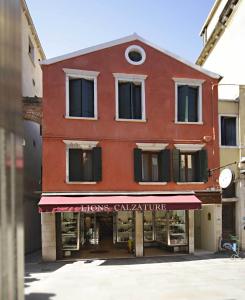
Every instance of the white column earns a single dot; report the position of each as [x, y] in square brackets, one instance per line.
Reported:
[191, 231]
[218, 225]
[139, 234]
[48, 236]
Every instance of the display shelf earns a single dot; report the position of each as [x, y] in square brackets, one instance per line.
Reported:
[125, 227]
[70, 231]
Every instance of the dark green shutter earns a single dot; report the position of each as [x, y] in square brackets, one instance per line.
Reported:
[97, 163]
[136, 101]
[164, 165]
[87, 98]
[202, 166]
[137, 165]
[75, 165]
[176, 165]
[75, 98]
[182, 95]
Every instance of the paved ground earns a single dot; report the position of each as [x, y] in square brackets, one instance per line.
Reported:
[203, 277]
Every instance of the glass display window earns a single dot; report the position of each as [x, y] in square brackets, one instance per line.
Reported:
[148, 226]
[70, 230]
[161, 226]
[91, 234]
[177, 228]
[125, 226]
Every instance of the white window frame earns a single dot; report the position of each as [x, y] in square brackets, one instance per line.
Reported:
[82, 74]
[137, 49]
[237, 134]
[84, 145]
[189, 148]
[130, 78]
[191, 82]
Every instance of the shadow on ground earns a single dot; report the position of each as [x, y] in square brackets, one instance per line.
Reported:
[39, 296]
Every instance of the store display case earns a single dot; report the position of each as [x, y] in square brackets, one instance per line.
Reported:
[177, 228]
[161, 225]
[148, 226]
[70, 231]
[125, 226]
[91, 229]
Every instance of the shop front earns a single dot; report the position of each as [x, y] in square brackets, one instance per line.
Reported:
[119, 226]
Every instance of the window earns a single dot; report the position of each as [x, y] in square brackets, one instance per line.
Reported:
[83, 162]
[151, 166]
[228, 126]
[130, 97]
[188, 100]
[135, 55]
[190, 166]
[81, 94]
[31, 50]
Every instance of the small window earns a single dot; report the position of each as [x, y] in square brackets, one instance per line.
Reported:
[135, 55]
[228, 131]
[81, 98]
[84, 165]
[130, 100]
[150, 166]
[188, 103]
[187, 167]
[31, 50]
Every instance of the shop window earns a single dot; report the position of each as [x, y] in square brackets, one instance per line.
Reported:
[190, 167]
[125, 226]
[130, 100]
[81, 98]
[151, 166]
[84, 165]
[228, 131]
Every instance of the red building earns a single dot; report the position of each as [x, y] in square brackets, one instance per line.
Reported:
[129, 134]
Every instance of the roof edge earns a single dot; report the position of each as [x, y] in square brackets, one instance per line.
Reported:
[126, 39]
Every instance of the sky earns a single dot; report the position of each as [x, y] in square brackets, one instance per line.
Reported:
[64, 26]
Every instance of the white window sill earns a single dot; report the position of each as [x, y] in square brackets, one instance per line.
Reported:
[189, 123]
[131, 120]
[191, 182]
[152, 183]
[80, 118]
[81, 182]
[229, 147]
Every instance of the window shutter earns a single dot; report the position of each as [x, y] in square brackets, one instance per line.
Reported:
[75, 165]
[192, 104]
[136, 101]
[87, 98]
[137, 165]
[202, 166]
[124, 99]
[176, 165]
[164, 165]
[182, 96]
[97, 163]
[75, 98]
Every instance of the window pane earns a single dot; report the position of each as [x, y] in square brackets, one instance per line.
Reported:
[182, 102]
[182, 167]
[124, 98]
[154, 161]
[190, 170]
[87, 98]
[228, 131]
[75, 98]
[136, 101]
[145, 167]
[75, 165]
[192, 104]
[87, 166]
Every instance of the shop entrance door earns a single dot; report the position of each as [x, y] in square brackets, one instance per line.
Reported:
[228, 219]
[105, 229]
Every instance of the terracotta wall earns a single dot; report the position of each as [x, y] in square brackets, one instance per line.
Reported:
[118, 139]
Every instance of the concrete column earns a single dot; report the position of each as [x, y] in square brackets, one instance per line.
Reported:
[48, 236]
[191, 231]
[139, 234]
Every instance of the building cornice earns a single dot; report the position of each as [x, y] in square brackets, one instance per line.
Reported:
[219, 29]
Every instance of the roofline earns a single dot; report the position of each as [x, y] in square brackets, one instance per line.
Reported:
[33, 29]
[210, 15]
[126, 39]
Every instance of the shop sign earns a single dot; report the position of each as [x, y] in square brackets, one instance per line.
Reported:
[121, 207]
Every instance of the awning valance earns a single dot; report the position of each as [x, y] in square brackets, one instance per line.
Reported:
[91, 204]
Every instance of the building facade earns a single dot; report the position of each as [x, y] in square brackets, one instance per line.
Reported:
[223, 52]
[129, 133]
[31, 73]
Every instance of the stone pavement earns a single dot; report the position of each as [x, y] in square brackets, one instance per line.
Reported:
[202, 277]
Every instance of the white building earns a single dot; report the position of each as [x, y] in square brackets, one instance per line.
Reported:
[223, 52]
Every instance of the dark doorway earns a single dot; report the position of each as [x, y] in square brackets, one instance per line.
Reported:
[105, 223]
[228, 219]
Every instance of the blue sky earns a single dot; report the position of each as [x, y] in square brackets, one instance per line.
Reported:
[64, 26]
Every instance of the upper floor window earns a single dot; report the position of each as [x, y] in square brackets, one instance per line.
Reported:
[228, 130]
[151, 163]
[31, 51]
[130, 97]
[81, 94]
[188, 100]
[135, 55]
[190, 163]
[83, 162]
